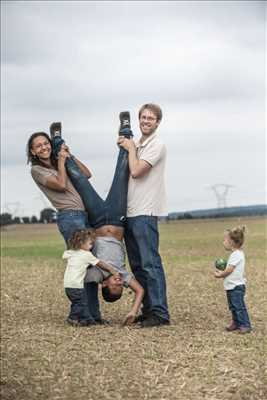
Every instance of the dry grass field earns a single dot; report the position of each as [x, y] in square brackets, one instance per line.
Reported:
[192, 359]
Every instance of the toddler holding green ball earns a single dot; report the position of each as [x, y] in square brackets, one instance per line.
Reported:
[234, 280]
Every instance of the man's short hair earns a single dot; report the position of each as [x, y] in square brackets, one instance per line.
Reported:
[108, 296]
[153, 108]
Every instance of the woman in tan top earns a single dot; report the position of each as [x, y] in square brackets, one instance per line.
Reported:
[107, 217]
[50, 175]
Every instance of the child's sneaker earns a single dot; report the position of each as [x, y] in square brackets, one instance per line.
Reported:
[232, 327]
[125, 126]
[72, 322]
[243, 330]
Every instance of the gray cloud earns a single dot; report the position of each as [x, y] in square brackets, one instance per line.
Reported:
[83, 62]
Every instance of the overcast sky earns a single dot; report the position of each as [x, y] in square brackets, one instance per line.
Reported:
[82, 62]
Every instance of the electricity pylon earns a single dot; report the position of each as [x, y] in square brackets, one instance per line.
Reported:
[221, 190]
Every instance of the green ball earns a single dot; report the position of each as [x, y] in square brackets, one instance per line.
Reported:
[220, 264]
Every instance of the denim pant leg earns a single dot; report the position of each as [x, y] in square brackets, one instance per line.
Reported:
[69, 221]
[116, 201]
[145, 231]
[135, 262]
[94, 205]
[78, 309]
[239, 306]
[57, 142]
[230, 305]
[91, 289]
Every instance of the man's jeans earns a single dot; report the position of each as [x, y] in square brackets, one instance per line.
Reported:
[111, 211]
[142, 242]
[91, 289]
[79, 309]
[69, 221]
[237, 306]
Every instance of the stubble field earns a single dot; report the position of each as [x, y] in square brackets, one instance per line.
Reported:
[192, 359]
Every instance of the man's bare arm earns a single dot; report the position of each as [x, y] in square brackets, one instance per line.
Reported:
[139, 294]
[138, 168]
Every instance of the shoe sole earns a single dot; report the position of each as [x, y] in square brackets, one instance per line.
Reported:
[55, 129]
[155, 325]
[243, 332]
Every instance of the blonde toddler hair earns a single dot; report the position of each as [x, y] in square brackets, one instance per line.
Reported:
[237, 235]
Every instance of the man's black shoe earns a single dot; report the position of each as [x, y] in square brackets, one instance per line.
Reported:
[102, 321]
[140, 318]
[154, 320]
[55, 129]
[125, 120]
[125, 124]
[57, 141]
[85, 322]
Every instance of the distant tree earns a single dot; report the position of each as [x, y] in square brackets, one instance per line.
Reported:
[47, 215]
[187, 215]
[34, 220]
[5, 219]
[16, 220]
[26, 220]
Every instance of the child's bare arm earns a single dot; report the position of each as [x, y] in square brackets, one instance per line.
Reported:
[139, 294]
[223, 274]
[107, 267]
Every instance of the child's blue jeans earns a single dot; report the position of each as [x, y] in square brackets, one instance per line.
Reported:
[79, 308]
[237, 306]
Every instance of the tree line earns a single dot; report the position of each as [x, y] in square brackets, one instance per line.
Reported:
[47, 216]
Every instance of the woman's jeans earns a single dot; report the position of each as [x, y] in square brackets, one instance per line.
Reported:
[69, 221]
[237, 306]
[142, 243]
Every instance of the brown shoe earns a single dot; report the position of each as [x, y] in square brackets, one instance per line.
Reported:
[244, 329]
[231, 327]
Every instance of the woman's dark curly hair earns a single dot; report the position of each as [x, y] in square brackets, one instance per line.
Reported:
[33, 160]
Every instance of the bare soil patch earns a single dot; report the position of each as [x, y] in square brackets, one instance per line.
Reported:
[192, 359]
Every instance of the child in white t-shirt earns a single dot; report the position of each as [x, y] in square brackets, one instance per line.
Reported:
[234, 280]
[79, 257]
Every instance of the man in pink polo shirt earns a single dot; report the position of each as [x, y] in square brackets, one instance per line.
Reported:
[146, 202]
